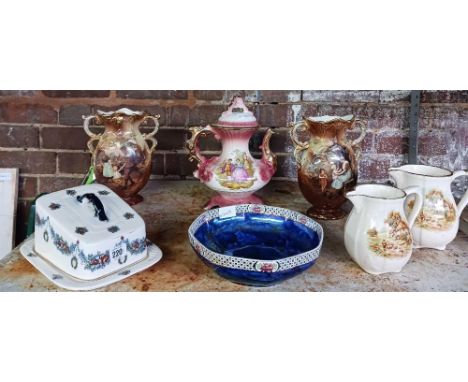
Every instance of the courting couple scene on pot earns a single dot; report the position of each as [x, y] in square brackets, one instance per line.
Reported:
[227, 190]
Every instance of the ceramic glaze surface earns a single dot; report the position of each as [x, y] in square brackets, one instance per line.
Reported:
[73, 237]
[326, 162]
[122, 158]
[377, 232]
[235, 174]
[256, 245]
[437, 223]
[257, 236]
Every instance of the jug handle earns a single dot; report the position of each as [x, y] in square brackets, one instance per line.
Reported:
[417, 204]
[149, 136]
[298, 145]
[267, 155]
[192, 143]
[363, 128]
[94, 137]
[464, 200]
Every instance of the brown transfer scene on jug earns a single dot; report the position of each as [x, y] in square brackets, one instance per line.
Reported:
[234, 190]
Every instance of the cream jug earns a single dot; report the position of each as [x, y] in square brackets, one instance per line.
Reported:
[437, 224]
[378, 232]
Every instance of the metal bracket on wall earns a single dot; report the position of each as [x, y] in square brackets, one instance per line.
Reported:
[414, 126]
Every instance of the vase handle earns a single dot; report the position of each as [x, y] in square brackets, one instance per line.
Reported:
[417, 203]
[299, 146]
[150, 136]
[94, 137]
[464, 200]
[363, 128]
[267, 155]
[192, 143]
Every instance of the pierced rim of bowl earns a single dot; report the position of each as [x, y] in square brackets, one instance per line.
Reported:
[247, 264]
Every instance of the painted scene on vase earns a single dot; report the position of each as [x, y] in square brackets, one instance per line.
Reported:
[330, 169]
[236, 172]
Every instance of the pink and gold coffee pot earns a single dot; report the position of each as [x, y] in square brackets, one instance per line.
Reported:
[235, 174]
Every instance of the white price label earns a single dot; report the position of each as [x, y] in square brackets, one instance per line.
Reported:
[5, 176]
[227, 212]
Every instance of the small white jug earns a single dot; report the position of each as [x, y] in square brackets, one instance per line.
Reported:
[438, 222]
[377, 232]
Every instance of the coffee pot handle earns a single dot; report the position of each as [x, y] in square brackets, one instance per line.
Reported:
[299, 146]
[150, 136]
[267, 155]
[363, 128]
[417, 203]
[192, 143]
[94, 137]
[464, 200]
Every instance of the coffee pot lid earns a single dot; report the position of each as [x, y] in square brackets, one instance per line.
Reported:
[237, 115]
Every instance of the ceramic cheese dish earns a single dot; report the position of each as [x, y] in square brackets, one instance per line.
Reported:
[88, 231]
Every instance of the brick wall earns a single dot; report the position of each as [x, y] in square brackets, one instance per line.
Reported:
[41, 131]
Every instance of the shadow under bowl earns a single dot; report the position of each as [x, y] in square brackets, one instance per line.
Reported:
[256, 245]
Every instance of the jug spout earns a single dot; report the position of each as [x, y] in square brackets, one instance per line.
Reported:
[355, 198]
[397, 174]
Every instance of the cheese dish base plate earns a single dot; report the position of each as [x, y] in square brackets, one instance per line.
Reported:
[67, 281]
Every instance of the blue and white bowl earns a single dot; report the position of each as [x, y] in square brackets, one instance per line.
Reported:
[256, 244]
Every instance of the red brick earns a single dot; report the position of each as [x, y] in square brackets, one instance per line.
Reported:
[279, 96]
[281, 165]
[367, 144]
[70, 138]
[178, 115]
[154, 109]
[76, 93]
[209, 95]
[440, 96]
[153, 94]
[208, 143]
[179, 164]
[247, 95]
[17, 93]
[308, 110]
[340, 95]
[172, 164]
[27, 187]
[19, 136]
[339, 110]
[391, 144]
[22, 213]
[432, 145]
[31, 162]
[279, 141]
[73, 114]
[205, 114]
[286, 167]
[373, 169]
[395, 95]
[171, 139]
[157, 164]
[57, 183]
[27, 113]
[74, 163]
[273, 115]
[463, 96]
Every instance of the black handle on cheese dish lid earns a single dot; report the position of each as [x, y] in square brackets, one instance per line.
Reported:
[98, 206]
